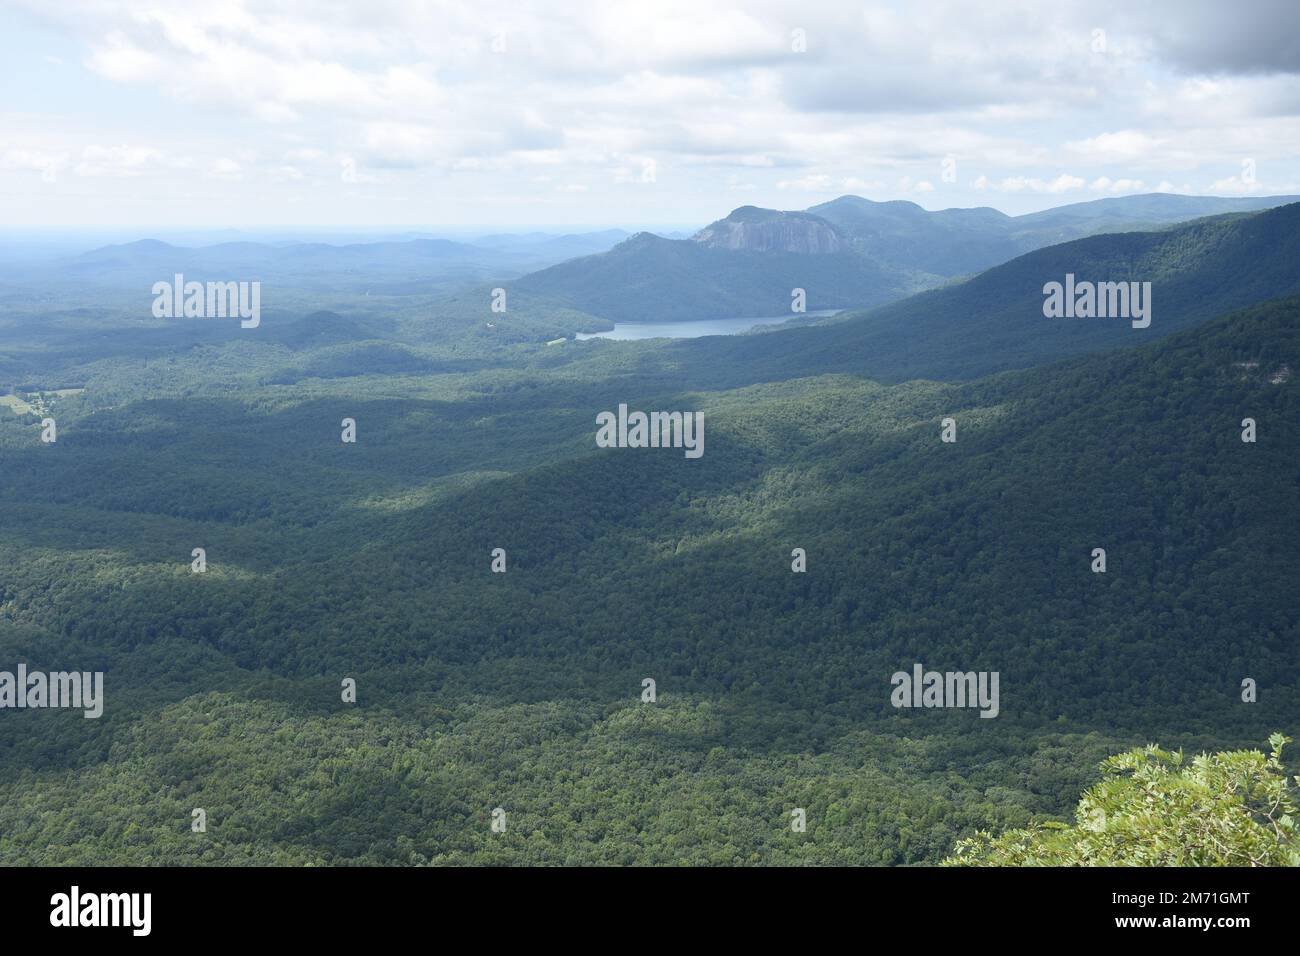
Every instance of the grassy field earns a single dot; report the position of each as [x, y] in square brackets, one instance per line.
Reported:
[16, 404]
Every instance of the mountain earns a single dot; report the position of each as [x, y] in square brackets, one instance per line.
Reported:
[948, 243]
[152, 254]
[1146, 209]
[954, 242]
[393, 265]
[847, 253]
[554, 248]
[359, 265]
[995, 321]
[750, 229]
[331, 561]
[744, 265]
[523, 690]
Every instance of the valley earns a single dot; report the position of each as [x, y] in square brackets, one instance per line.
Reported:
[375, 562]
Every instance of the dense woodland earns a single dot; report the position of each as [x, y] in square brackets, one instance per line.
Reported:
[478, 690]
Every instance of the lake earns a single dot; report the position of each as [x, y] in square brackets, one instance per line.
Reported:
[627, 331]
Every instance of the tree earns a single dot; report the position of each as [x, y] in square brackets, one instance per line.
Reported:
[1226, 809]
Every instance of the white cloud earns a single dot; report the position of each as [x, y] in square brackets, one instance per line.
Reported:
[123, 161]
[46, 165]
[638, 170]
[227, 169]
[1104, 184]
[1237, 186]
[1017, 184]
[1119, 147]
[906, 184]
[813, 183]
[410, 99]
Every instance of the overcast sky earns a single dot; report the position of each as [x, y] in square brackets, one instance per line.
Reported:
[210, 114]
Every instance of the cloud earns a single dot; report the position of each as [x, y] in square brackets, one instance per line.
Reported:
[1118, 147]
[638, 170]
[1207, 36]
[1018, 184]
[857, 185]
[1237, 186]
[227, 169]
[47, 165]
[451, 99]
[1104, 184]
[123, 161]
[908, 185]
[813, 183]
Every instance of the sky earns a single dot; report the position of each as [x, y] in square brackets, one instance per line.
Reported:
[225, 114]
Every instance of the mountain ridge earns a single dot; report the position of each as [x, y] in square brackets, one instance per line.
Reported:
[994, 321]
[888, 250]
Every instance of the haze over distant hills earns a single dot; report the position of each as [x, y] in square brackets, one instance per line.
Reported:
[331, 558]
[850, 252]
[392, 264]
[994, 321]
[452, 433]
[953, 242]
[650, 279]
[481, 689]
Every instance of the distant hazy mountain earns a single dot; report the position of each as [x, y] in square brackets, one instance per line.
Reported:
[745, 265]
[901, 234]
[954, 242]
[1149, 208]
[850, 252]
[995, 320]
[560, 247]
[139, 264]
[395, 265]
[752, 229]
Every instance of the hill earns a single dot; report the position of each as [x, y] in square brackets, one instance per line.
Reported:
[847, 253]
[956, 242]
[522, 690]
[995, 320]
[748, 270]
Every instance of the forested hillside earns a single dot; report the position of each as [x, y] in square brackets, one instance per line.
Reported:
[648, 278]
[955, 242]
[995, 320]
[522, 690]
[624, 434]
[1157, 808]
[852, 253]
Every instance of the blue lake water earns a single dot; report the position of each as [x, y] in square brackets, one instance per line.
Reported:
[627, 331]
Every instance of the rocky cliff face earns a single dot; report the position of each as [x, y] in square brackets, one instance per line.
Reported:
[765, 230]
